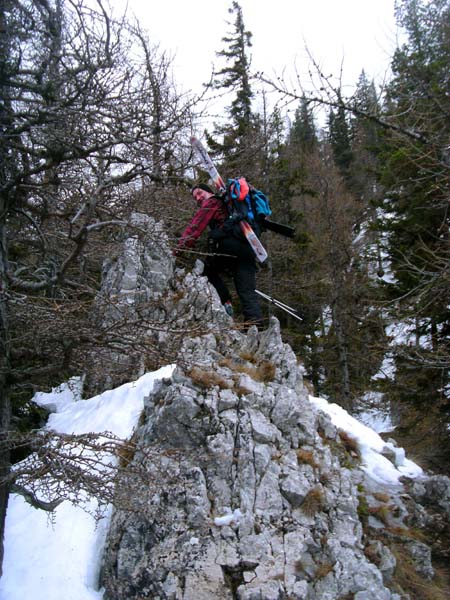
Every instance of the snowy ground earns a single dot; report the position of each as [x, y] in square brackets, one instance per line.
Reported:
[51, 559]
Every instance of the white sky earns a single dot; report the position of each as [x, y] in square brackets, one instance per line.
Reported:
[361, 33]
[60, 558]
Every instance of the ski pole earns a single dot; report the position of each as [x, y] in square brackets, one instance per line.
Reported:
[279, 304]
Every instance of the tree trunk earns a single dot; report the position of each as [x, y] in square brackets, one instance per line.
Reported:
[5, 405]
[342, 357]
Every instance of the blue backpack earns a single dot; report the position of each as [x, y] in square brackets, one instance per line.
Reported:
[243, 201]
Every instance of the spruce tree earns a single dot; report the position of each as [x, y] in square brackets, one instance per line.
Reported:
[339, 136]
[416, 175]
[366, 140]
[303, 132]
[233, 140]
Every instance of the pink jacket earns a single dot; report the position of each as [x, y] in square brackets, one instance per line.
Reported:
[210, 209]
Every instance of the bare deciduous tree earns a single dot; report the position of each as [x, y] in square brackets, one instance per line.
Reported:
[82, 468]
[88, 113]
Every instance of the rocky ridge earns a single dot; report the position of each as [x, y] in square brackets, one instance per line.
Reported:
[253, 493]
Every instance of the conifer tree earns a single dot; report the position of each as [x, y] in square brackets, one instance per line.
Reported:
[398, 156]
[301, 144]
[339, 136]
[303, 132]
[416, 175]
[365, 143]
[237, 134]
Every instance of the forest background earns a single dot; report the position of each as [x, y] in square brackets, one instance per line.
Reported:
[93, 128]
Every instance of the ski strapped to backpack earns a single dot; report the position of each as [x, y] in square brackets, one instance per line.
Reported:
[240, 218]
[248, 207]
[208, 165]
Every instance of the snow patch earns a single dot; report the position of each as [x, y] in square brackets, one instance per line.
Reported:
[61, 396]
[230, 517]
[371, 446]
[58, 556]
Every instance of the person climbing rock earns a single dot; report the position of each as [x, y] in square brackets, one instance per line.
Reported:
[227, 253]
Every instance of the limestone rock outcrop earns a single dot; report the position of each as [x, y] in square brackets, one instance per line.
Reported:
[251, 492]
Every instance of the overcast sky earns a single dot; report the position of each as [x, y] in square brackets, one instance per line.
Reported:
[361, 33]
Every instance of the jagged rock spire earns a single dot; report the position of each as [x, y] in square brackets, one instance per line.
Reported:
[251, 493]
